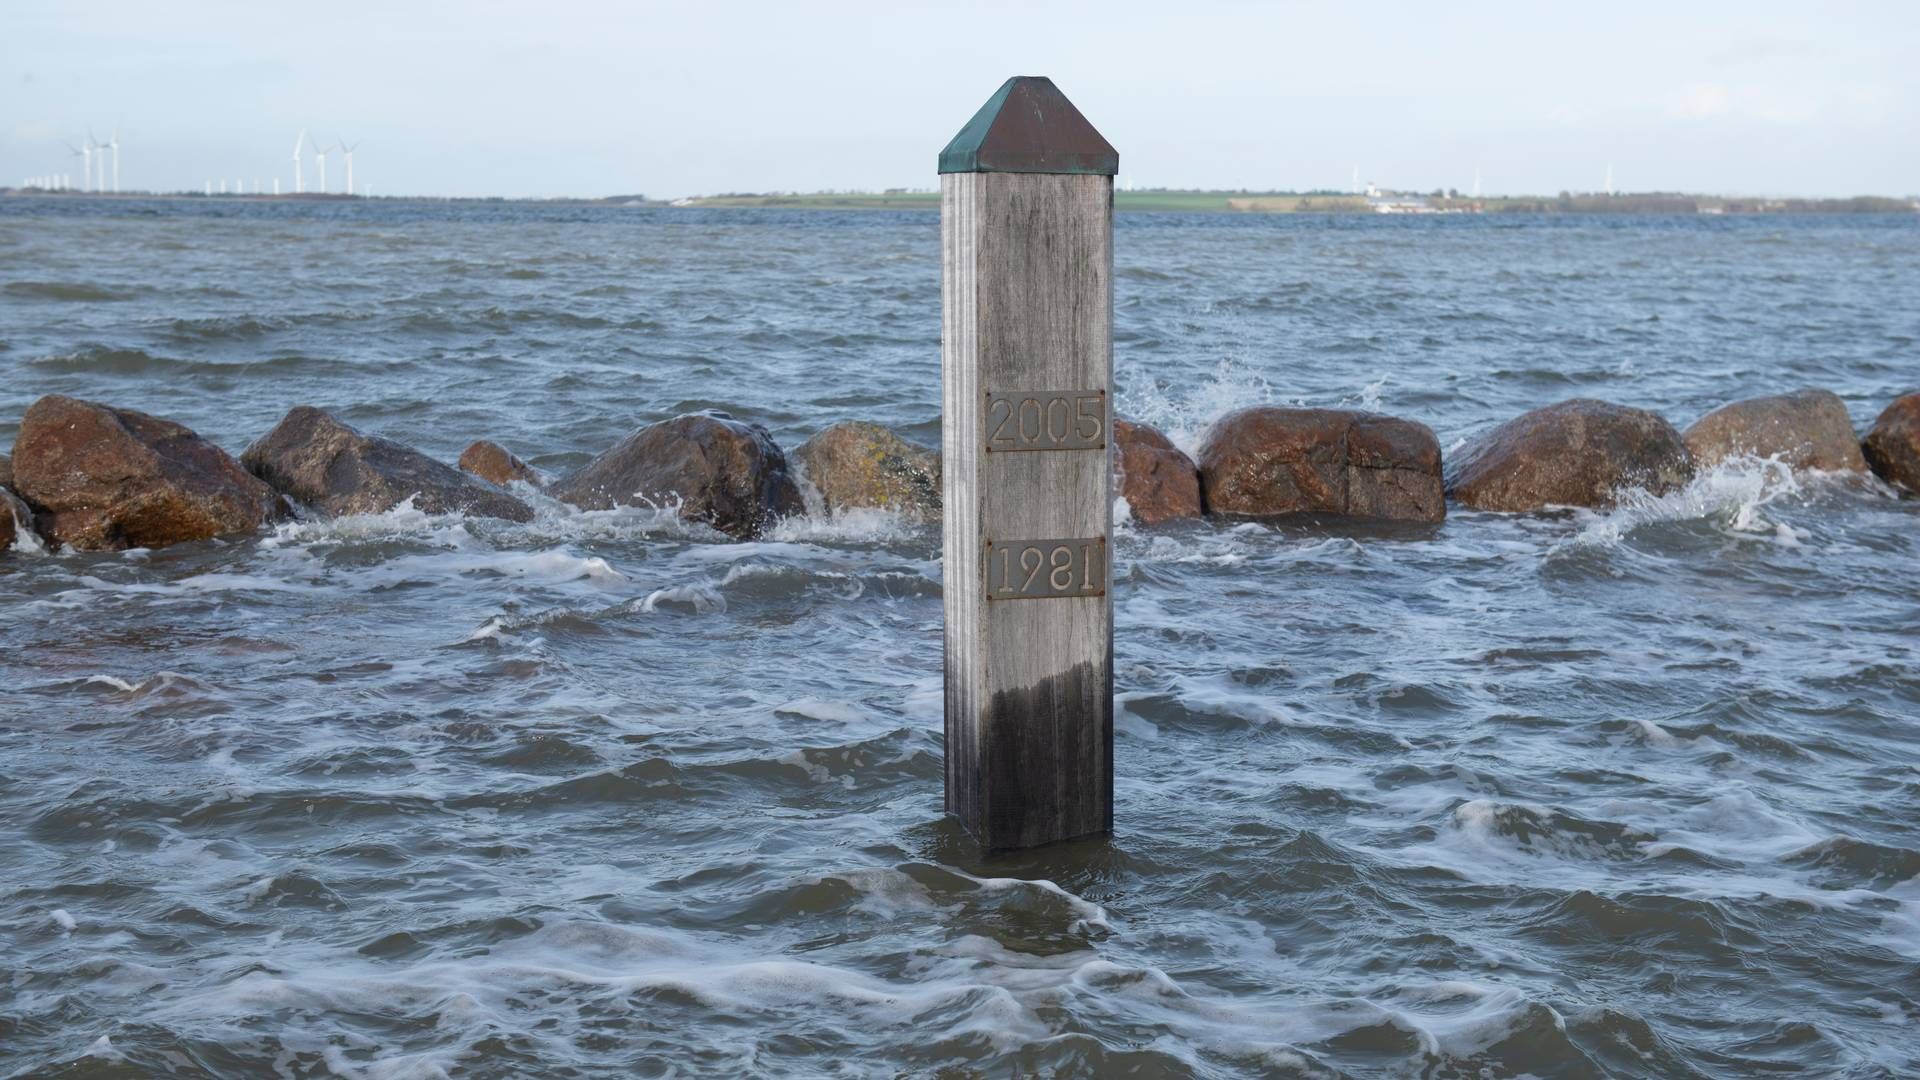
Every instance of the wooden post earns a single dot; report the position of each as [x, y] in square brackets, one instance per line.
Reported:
[1026, 364]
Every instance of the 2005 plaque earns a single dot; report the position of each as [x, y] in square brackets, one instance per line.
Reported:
[1038, 569]
[1046, 420]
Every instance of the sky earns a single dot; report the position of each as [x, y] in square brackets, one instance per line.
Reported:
[575, 98]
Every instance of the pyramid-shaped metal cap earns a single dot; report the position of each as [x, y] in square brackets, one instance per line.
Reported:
[1029, 126]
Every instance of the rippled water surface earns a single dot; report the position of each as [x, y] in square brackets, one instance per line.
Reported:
[1631, 793]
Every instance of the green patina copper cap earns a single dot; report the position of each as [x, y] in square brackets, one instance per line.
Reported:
[1029, 126]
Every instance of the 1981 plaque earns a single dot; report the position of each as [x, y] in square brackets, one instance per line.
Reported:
[1038, 569]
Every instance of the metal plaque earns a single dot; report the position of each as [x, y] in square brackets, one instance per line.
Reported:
[1039, 569]
[1046, 420]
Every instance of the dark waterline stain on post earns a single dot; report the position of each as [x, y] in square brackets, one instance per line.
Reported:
[1047, 769]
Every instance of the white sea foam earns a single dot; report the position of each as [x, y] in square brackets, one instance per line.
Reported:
[158, 682]
[1656, 736]
[603, 965]
[1132, 724]
[1185, 420]
[25, 540]
[1901, 926]
[1490, 826]
[439, 1065]
[860, 525]
[817, 773]
[64, 921]
[1735, 825]
[494, 630]
[551, 566]
[1738, 494]
[1458, 1019]
[703, 598]
[1889, 1012]
[1090, 916]
[200, 585]
[402, 520]
[1369, 396]
[849, 585]
[555, 520]
[838, 712]
[925, 697]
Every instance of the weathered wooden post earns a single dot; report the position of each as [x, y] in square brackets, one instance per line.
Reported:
[1026, 364]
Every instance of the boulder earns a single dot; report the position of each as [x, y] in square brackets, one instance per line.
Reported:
[101, 478]
[1268, 462]
[1576, 453]
[859, 464]
[1892, 445]
[6, 471]
[491, 462]
[1158, 480]
[720, 471]
[1807, 429]
[336, 470]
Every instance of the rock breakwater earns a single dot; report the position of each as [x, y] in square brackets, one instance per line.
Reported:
[91, 476]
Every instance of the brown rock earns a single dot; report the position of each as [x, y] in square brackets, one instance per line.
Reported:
[1576, 453]
[1267, 462]
[101, 478]
[6, 471]
[721, 471]
[859, 464]
[1892, 445]
[337, 470]
[1158, 480]
[1808, 429]
[490, 462]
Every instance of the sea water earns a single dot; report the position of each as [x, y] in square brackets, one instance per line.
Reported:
[1630, 792]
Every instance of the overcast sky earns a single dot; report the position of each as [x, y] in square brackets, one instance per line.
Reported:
[576, 98]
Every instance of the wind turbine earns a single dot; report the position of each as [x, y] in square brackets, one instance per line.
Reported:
[113, 144]
[320, 154]
[347, 151]
[299, 184]
[85, 154]
[1609, 178]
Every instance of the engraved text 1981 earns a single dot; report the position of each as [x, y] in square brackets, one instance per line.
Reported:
[1037, 569]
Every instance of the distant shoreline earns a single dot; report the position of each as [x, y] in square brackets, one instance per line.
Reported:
[1283, 202]
[1161, 201]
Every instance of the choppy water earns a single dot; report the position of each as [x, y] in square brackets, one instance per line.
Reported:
[1630, 793]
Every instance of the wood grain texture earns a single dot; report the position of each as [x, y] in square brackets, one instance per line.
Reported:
[1027, 297]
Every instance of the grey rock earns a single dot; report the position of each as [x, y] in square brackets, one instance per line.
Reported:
[724, 472]
[336, 470]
